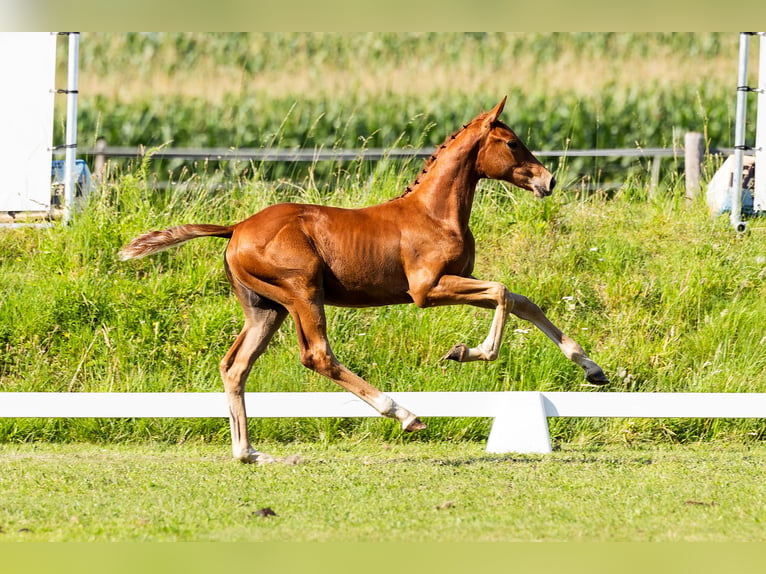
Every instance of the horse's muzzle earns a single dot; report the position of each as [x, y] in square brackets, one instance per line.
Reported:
[544, 190]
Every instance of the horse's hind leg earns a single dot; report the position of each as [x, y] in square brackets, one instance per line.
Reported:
[311, 328]
[262, 319]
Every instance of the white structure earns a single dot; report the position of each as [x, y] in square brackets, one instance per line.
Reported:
[71, 124]
[520, 418]
[28, 71]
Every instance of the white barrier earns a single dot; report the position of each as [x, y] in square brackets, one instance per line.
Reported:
[520, 417]
[28, 70]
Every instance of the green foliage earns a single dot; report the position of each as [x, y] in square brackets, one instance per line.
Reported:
[660, 294]
[169, 52]
[663, 296]
[343, 105]
[615, 119]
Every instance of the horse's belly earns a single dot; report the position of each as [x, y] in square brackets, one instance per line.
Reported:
[376, 287]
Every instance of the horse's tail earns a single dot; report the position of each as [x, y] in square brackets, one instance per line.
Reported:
[156, 241]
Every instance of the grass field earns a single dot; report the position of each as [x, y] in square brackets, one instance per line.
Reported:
[662, 295]
[370, 491]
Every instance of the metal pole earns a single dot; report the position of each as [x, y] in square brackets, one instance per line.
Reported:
[735, 189]
[71, 125]
[759, 203]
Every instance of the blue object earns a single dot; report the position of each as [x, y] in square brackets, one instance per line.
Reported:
[81, 171]
[724, 203]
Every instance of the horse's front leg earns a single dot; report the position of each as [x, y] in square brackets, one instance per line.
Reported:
[457, 290]
[452, 290]
[527, 310]
[488, 349]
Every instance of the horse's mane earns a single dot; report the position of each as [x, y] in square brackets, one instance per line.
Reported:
[435, 156]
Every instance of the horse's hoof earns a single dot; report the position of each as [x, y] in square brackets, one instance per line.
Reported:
[456, 353]
[596, 377]
[415, 425]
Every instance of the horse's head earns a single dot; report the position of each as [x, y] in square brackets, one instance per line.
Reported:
[502, 155]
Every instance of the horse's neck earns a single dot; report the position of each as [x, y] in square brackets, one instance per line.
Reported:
[446, 186]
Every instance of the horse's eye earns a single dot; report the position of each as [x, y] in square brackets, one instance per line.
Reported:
[513, 144]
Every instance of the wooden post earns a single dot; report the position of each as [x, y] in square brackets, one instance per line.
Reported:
[655, 181]
[99, 160]
[694, 149]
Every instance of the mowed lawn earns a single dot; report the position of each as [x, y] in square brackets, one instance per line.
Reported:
[373, 491]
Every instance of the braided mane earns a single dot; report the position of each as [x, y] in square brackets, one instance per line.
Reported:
[432, 159]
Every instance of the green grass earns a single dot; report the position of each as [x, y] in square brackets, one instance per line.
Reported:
[664, 297]
[660, 294]
[354, 491]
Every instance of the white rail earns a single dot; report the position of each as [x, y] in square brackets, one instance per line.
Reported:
[520, 417]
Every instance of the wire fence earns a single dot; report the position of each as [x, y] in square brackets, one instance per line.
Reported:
[373, 154]
[691, 156]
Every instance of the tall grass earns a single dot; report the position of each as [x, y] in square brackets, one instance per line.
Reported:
[662, 295]
[566, 91]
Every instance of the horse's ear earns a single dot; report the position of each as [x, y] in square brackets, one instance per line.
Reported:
[495, 112]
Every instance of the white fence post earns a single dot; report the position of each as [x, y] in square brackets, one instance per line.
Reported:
[521, 425]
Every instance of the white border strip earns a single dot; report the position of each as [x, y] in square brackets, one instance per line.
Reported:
[520, 417]
[342, 404]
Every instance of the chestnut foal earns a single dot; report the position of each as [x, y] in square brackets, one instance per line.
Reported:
[417, 248]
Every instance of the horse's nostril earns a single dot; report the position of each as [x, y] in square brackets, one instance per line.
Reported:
[552, 184]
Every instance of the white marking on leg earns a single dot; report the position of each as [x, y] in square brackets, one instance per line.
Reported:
[387, 407]
[572, 350]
